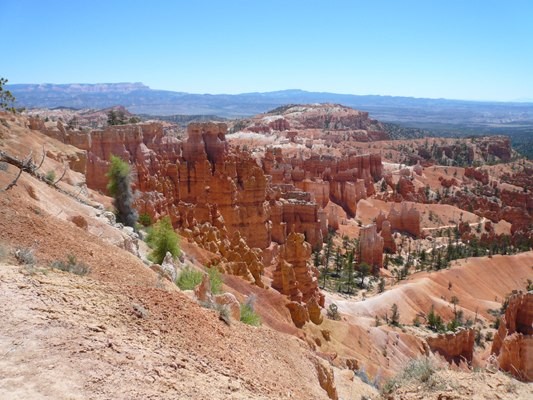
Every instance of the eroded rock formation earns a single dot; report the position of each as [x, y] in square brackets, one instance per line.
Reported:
[405, 220]
[298, 280]
[452, 345]
[477, 174]
[388, 241]
[371, 245]
[513, 343]
[342, 180]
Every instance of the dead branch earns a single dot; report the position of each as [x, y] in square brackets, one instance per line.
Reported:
[25, 164]
[75, 190]
[14, 181]
[56, 182]
[41, 161]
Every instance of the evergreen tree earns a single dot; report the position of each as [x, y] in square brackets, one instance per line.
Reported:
[112, 118]
[121, 118]
[395, 315]
[364, 270]
[119, 187]
[7, 100]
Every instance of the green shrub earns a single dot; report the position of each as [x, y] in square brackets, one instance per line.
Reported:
[419, 369]
[248, 315]
[4, 251]
[3, 166]
[389, 386]
[479, 338]
[25, 256]
[162, 239]
[72, 265]
[216, 280]
[189, 278]
[145, 219]
[51, 176]
[333, 312]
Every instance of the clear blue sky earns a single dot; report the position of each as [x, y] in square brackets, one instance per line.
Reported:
[478, 50]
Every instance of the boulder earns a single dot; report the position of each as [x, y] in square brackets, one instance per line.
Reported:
[230, 301]
[299, 313]
[315, 312]
[80, 222]
[203, 290]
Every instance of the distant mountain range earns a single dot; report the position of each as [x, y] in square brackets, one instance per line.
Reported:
[140, 99]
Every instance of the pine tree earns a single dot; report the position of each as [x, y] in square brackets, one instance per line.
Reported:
[112, 118]
[119, 187]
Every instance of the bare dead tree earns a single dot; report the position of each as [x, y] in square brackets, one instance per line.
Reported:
[28, 165]
[25, 164]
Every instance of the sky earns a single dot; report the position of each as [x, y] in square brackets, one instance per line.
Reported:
[471, 50]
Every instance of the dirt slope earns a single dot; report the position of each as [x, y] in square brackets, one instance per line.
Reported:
[479, 283]
[65, 336]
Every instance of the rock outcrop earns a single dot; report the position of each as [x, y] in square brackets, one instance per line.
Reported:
[168, 268]
[513, 343]
[203, 293]
[418, 169]
[452, 345]
[388, 241]
[241, 260]
[210, 191]
[203, 170]
[371, 245]
[405, 220]
[298, 280]
[293, 208]
[342, 123]
[477, 174]
[326, 378]
[408, 191]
